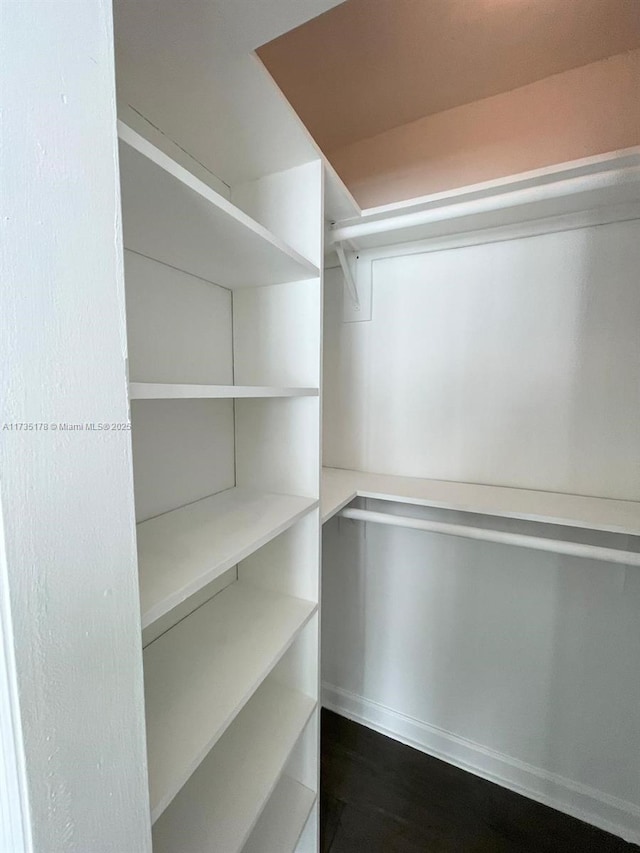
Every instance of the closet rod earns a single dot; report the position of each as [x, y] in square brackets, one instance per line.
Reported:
[441, 210]
[573, 549]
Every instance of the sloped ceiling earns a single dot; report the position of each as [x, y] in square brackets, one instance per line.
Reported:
[367, 66]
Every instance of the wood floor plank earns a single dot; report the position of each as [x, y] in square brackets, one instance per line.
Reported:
[380, 795]
[330, 812]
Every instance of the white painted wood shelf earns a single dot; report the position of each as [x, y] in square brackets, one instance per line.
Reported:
[218, 808]
[281, 823]
[182, 551]
[607, 181]
[173, 217]
[200, 674]
[341, 486]
[165, 391]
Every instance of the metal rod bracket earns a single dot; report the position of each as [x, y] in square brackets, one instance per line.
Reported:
[349, 278]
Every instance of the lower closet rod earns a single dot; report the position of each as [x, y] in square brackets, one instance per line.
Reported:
[573, 549]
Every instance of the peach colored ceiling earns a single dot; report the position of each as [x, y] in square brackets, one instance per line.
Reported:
[367, 66]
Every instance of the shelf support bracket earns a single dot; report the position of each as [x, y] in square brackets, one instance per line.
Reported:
[349, 278]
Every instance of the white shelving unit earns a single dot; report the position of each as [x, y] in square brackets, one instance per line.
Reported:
[598, 188]
[340, 486]
[182, 551]
[203, 671]
[164, 391]
[222, 801]
[172, 216]
[223, 317]
[568, 521]
[281, 823]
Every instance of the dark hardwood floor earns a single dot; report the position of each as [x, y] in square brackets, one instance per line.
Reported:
[379, 796]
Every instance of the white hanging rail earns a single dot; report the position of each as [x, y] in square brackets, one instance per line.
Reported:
[608, 180]
[572, 549]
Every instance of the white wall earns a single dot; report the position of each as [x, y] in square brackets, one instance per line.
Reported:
[475, 353]
[515, 363]
[178, 326]
[179, 329]
[68, 560]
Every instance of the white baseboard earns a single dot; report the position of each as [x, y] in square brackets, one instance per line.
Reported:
[612, 814]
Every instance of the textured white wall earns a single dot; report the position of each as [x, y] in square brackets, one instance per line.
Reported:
[67, 496]
[514, 363]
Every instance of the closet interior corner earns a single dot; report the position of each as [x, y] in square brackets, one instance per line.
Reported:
[463, 365]
[320, 426]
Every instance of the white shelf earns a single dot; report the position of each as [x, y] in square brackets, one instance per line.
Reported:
[199, 675]
[281, 823]
[164, 391]
[218, 808]
[340, 486]
[172, 216]
[182, 551]
[564, 190]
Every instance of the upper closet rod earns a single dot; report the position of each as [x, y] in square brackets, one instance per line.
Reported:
[573, 549]
[443, 208]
